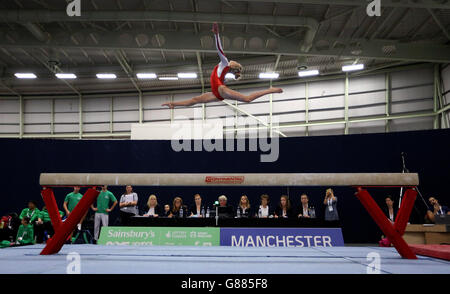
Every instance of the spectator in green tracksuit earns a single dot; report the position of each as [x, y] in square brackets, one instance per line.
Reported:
[71, 201]
[44, 224]
[25, 235]
[31, 212]
[104, 200]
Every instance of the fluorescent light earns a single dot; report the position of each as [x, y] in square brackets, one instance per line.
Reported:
[25, 75]
[168, 78]
[187, 75]
[353, 67]
[65, 76]
[146, 75]
[269, 75]
[106, 76]
[308, 73]
[230, 76]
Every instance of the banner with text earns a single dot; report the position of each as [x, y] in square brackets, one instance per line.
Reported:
[281, 237]
[149, 236]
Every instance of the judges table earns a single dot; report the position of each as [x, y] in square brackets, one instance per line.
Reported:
[142, 221]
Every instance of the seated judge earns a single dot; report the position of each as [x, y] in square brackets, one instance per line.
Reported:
[198, 209]
[154, 210]
[178, 209]
[304, 209]
[284, 209]
[225, 210]
[264, 210]
[243, 209]
[166, 211]
[390, 211]
[435, 209]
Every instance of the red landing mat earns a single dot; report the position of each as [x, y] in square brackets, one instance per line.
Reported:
[436, 251]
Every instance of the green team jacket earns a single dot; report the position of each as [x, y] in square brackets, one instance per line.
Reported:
[45, 217]
[27, 234]
[32, 214]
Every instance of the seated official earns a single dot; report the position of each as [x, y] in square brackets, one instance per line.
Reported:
[198, 209]
[154, 210]
[390, 211]
[166, 211]
[243, 209]
[284, 208]
[224, 209]
[435, 209]
[305, 210]
[178, 209]
[264, 210]
[25, 235]
[44, 224]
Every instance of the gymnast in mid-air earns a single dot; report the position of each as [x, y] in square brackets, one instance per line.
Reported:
[218, 88]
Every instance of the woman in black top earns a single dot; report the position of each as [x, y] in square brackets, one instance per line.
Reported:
[154, 210]
[178, 209]
[284, 209]
[243, 209]
[198, 209]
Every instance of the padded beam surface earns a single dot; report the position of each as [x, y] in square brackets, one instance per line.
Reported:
[225, 179]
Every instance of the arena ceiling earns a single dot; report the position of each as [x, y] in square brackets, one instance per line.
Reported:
[171, 36]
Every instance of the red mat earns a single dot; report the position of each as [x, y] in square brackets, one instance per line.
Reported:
[436, 251]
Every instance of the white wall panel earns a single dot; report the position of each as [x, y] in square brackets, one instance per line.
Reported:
[326, 88]
[324, 103]
[101, 128]
[412, 77]
[66, 117]
[367, 98]
[9, 105]
[96, 104]
[367, 111]
[367, 127]
[92, 117]
[9, 118]
[410, 124]
[126, 116]
[64, 105]
[35, 129]
[125, 103]
[35, 105]
[412, 106]
[330, 114]
[67, 128]
[366, 83]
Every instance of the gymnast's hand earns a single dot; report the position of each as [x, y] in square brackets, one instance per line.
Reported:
[169, 104]
[215, 28]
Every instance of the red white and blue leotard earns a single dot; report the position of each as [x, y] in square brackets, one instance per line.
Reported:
[218, 75]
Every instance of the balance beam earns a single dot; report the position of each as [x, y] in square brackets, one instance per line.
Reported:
[231, 179]
[357, 180]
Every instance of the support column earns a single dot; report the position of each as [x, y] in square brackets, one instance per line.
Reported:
[52, 117]
[388, 102]
[346, 105]
[306, 108]
[435, 97]
[21, 110]
[80, 115]
[141, 114]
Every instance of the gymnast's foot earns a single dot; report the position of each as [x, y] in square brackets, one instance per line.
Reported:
[169, 104]
[276, 90]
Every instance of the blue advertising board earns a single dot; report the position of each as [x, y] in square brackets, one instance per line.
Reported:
[281, 237]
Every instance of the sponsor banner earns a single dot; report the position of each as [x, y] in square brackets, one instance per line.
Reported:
[149, 236]
[225, 180]
[281, 237]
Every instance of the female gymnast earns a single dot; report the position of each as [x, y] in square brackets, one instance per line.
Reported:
[218, 88]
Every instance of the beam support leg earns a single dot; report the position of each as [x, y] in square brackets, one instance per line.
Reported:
[52, 208]
[405, 211]
[67, 227]
[384, 224]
